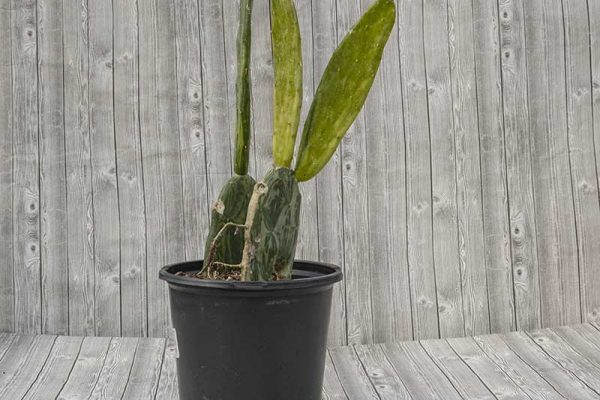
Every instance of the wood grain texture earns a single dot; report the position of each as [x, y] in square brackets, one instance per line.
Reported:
[357, 263]
[143, 376]
[584, 170]
[568, 358]
[469, 198]
[86, 370]
[7, 294]
[554, 214]
[497, 381]
[561, 379]
[161, 157]
[463, 379]
[351, 374]
[381, 373]
[26, 184]
[519, 167]
[424, 296]
[130, 180]
[105, 204]
[217, 131]
[80, 217]
[191, 128]
[22, 363]
[53, 188]
[116, 368]
[493, 167]
[420, 375]
[448, 278]
[329, 181]
[332, 388]
[56, 370]
[386, 183]
[463, 201]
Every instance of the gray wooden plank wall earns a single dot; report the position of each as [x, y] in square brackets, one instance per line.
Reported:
[464, 200]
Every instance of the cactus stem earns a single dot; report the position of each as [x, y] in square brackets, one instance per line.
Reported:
[259, 190]
[208, 263]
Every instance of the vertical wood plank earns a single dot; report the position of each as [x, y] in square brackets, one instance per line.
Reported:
[161, 158]
[554, 214]
[594, 26]
[80, 219]
[443, 169]
[216, 116]
[262, 88]
[418, 171]
[329, 189]
[53, 190]
[26, 189]
[308, 235]
[519, 166]
[386, 196]
[356, 218]
[493, 167]
[56, 369]
[581, 150]
[107, 262]
[7, 299]
[191, 128]
[468, 167]
[130, 180]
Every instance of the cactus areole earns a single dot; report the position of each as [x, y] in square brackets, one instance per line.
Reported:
[254, 225]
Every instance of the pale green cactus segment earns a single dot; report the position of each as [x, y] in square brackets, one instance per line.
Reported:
[272, 227]
[287, 64]
[344, 88]
[230, 208]
[243, 94]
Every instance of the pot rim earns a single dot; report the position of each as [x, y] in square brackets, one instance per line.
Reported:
[307, 274]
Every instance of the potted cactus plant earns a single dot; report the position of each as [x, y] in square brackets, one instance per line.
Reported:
[251, 322]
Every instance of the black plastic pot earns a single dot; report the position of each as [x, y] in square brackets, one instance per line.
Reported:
[251, 340]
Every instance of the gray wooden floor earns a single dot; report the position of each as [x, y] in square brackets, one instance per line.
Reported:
[561, 363]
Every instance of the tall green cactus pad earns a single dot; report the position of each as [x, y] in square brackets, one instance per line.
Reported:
[230, 208]
[272, 227]
[344, 88]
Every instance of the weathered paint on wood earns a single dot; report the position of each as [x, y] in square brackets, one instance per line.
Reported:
[470, 204]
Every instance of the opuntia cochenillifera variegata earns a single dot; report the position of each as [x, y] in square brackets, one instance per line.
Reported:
[254, 226]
